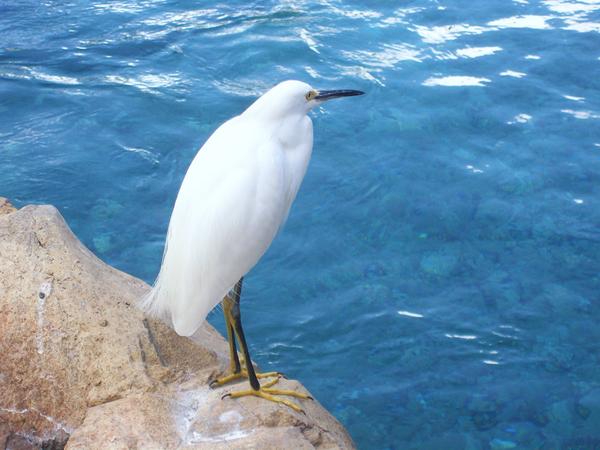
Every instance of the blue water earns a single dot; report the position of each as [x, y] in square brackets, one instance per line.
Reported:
[437, 283]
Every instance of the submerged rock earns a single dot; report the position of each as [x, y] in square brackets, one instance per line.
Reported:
[5, 206]
[502, 444]
[441, 263]
[588, 408]
[561, 415]
[82, 367]
[447, 441]
[484, 413]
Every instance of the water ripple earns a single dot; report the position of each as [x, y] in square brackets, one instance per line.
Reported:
[456, 80]
[28, 73]
[243, 88]
[532, 22]
[441, 34]
[513, 74]
[476, 52]
[150, 83]
[388, 56]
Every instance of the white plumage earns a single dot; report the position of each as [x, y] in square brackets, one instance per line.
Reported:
[235, 196]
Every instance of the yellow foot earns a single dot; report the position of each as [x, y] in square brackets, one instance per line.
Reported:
[243, 374]
[268, 393]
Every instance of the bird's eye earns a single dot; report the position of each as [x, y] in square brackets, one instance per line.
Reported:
[310, 95]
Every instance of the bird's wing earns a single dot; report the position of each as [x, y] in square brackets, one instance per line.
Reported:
[226, 215]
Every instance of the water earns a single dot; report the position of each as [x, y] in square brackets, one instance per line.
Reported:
[436, 285]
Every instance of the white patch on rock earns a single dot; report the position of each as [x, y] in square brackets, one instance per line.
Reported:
[56, 424]
[185, 412]
[44, 291]
[196, 438]
[13, 410]
[230, 416]
[185, 407]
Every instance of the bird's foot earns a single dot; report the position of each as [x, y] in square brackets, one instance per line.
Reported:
[242, 374]
[269, 393]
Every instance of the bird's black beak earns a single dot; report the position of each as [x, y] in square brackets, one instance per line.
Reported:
[328, 95]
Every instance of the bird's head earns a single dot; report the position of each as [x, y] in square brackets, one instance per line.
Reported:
[296, 97]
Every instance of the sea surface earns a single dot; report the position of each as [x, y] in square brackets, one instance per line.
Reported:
[437, 284]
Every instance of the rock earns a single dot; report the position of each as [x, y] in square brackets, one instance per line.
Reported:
[591, 400]
[105, 208]
[447, 441]
[525, 434]
[561, 415]
[102, 243]
[562, 301]
[501, 444]
[442, 262]
[6, 207]
[484, 413]
[81, 365]
[588, 408]
[493, 217]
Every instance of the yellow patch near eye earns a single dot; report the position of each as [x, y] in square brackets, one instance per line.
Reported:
[310, 95]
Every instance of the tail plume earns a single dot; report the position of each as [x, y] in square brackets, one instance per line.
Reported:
[155, 302]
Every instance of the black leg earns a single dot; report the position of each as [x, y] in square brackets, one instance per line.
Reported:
[266, 391]
[233, 325]
[239, 331]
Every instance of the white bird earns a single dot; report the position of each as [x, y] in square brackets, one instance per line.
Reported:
[233, 200]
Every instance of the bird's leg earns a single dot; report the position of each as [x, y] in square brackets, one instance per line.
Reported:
[265, 391]
[235, 367]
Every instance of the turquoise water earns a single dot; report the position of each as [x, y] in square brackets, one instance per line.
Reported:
[437, 283]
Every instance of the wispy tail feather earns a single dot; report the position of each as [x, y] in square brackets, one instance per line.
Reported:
[153, 304]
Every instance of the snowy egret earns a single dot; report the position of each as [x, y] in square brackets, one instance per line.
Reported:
[234, 198]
